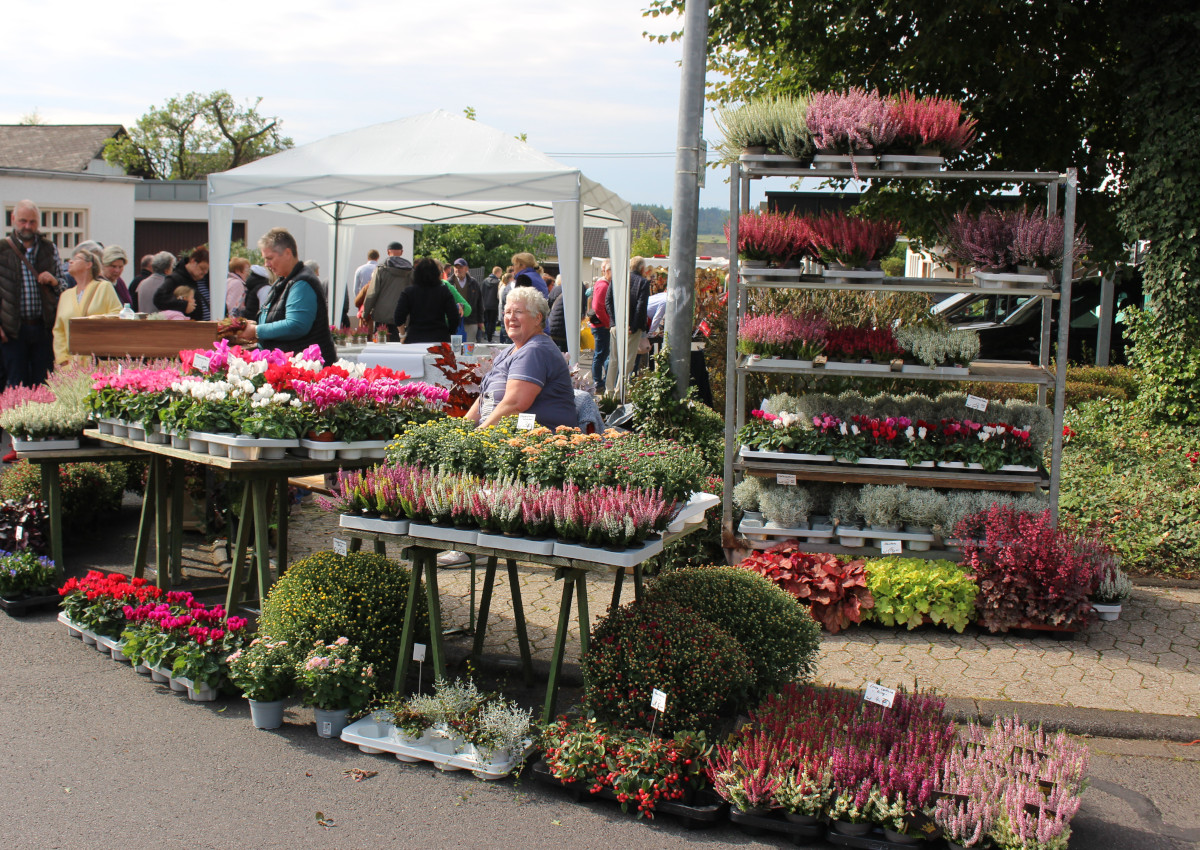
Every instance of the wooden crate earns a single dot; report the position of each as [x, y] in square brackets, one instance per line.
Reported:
[111, 337]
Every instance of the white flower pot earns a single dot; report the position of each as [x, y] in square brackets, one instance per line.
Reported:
[1107, 612]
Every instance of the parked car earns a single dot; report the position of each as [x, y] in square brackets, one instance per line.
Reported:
[1010, 325]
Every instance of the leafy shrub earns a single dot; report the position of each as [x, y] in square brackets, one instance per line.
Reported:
[1138, 482]
[777, 633]
[646, 645]
[89, 490]
[1170, 367]
[658, 413]
[836, 591]
[359, 596]
[911, 591]
[1030, 573]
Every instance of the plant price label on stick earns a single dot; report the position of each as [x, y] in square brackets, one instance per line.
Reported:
[785, 478]
[419, 653]
[340, 546]
[976, 403]
[658, 700]
[200, 362]
[879, 695]
[526, 421]
[892, 547]
[20, 533]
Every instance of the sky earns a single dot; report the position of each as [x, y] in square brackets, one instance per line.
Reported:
[576, 77]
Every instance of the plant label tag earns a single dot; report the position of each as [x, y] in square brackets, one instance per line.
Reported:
[879, 695]
[419, 653]
[785, 478]
[892, 547]
[20, 534]
[920, 824]
[340, 547]
[820, 360]
[120, 369]
[704, 327]
[201, 363]
[326, 728]
[976, 403]
[526, 421]
[658, 700]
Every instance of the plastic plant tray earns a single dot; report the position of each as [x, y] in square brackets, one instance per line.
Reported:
[629, 557]
[447, 533]
[252, 448]
[374, 524]
[375, 737]
[31, 446]
[25, 604]
[799, 833]
[528, 545]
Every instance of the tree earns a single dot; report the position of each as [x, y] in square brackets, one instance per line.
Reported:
[649, 242]
[480, 244]
[195, 135]
[1043, 79]
[32, 119]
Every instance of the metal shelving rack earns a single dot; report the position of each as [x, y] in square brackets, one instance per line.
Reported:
[750, 167]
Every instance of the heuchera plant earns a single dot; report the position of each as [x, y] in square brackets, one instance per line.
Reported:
[836, 592]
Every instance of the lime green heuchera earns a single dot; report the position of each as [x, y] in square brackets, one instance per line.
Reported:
[913, 591]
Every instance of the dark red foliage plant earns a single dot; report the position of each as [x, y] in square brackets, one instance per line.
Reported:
[836, 591]
[1030, 572]
[464, 383]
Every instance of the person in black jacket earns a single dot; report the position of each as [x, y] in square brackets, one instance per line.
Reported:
[639, 303]
[194, 275]
[427, 307]
[490, 287]
[556, 325]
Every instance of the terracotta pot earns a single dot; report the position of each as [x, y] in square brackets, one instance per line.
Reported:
[323, 437]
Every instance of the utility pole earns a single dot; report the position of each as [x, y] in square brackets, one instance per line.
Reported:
[681, 275]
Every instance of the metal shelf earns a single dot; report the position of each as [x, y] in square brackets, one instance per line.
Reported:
[773, 165]
[979, 372]
[792, 279]
[845, 473]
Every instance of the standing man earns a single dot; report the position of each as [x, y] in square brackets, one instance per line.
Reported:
[601, 321]
[639, 303]
[379, 298]
[364, 273]
[469, 287]
[31, 279]
[143, 273]
[491, 302]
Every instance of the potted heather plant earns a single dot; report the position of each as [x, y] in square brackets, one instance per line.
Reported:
[856, 122]
[852, 243]
[1113, 585]
[931, 126]
[982, 241]
[1037, 241]
[774, 238]
[801, 796]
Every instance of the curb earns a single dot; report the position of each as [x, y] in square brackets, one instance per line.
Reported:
[1093, 722]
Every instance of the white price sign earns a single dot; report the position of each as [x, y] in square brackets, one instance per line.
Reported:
[785, 478]
[340, 547]
[879, 695]
[201, 363]
[891, 547]
[419, 653]
[20, 532]
[526, 421]
[976, 403]
[658, 700]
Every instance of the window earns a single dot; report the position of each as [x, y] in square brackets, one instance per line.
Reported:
[65, 228]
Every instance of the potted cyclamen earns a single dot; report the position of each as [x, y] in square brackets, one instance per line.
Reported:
[334, 681]
[265, 671]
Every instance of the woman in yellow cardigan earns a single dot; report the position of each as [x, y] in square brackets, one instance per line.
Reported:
[92, 295]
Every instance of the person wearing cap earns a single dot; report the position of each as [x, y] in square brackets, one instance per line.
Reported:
[112, 264]
[381, 295]
[469, 287]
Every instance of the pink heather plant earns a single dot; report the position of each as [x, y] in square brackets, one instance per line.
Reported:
[984, 241]
[932, 122]
[774, 335]
[1037, 240]
[850, 121]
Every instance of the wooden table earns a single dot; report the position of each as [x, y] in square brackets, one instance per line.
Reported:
[422, 552]
[162, 510]
[50, 464]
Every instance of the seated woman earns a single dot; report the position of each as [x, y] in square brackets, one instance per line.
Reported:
[427, 308]
[530, 376]
[92, 295]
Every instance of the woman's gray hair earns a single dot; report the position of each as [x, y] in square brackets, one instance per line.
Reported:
[162, 262]
[530, 300]
[91, 255]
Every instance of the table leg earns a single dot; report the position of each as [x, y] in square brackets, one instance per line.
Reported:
[471, 611]
[237, 572]
[141, 549]
[380, 547]
[408, 634]
[162, 526]
[560, 644]
[637, 582]
[435, 615]
[175, 476]
[485, 607]
[355, 544]
[262, 539]
[281, 539]
[514, 586]
[585, 622]
[52, 494]
[618, 581]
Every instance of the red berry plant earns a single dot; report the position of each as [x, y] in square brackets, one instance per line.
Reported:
[1030, 572]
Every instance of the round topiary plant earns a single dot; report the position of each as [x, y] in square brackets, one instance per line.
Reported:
[646, 645]
[359, 596]
[776, 631]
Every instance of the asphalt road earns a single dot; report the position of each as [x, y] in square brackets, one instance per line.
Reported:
[99, 757]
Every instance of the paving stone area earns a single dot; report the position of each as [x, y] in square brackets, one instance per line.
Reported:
[1147, 661]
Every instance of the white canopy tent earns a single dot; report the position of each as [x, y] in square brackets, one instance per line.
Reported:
[436, 168]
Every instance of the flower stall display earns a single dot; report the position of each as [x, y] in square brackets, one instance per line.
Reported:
[52, 416]
[457, 727]
[265, 672]
[773, 238]
[791, 337]
[334, 680]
